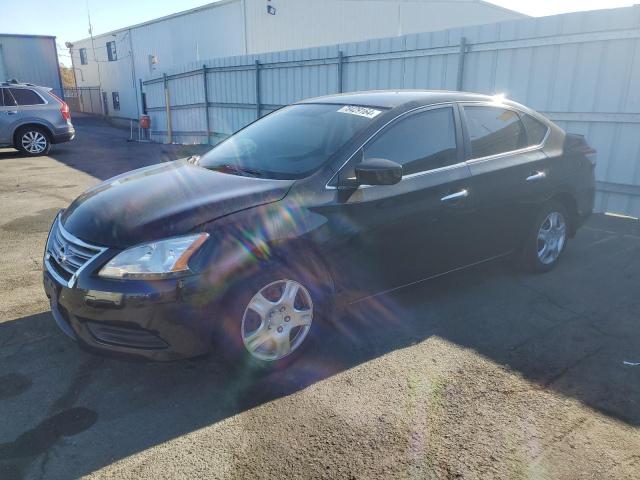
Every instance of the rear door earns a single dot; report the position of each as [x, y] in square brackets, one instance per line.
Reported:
[30, 104]
[510, 174]
[9, 115]
[402, 233]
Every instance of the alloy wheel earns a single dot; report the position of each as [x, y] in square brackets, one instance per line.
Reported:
[552, 237]
[277, 320]
[34, 142]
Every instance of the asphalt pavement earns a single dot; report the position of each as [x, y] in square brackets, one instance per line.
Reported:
[486, 373]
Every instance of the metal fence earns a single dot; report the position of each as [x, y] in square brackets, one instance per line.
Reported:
[582, 70]
[84, 99]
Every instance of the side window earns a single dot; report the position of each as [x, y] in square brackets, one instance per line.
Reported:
[536, 130]
[111, 51]
[115, 97]
[494, 130]
[83, 56]
[25, 96]
[6, 99]
[420, 142]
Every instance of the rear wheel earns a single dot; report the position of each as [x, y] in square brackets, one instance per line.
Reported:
[547, 238]
[33, 141]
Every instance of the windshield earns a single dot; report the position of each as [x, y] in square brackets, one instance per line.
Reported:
[291, 143]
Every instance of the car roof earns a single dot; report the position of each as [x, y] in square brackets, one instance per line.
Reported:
[397, 98]
[11, 84]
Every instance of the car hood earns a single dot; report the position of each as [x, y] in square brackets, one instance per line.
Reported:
[163, 200]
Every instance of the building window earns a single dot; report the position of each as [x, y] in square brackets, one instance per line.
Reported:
[115, 96]
[83, 56]
[111, 51]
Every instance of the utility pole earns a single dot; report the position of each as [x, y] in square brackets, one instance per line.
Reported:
[95, 58]
[69, 45]
[133, 72]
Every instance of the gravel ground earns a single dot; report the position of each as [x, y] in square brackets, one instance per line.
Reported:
[487, 373]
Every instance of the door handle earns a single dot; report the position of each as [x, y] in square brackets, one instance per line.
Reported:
[455, 196]
[534, 177]
[12, 112]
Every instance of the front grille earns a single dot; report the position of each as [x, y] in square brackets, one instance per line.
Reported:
[125, 336]
[67, 255]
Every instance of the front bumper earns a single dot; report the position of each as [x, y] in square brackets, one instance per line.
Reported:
[155, 320]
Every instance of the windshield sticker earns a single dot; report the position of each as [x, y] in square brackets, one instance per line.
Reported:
[361, 111]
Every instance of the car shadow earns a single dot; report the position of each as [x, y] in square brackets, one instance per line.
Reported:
[104, 151]
[569, 331]
[10, 154]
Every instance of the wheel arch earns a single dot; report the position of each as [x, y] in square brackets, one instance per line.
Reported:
[570, 203]
[31, 124]
[306, 253]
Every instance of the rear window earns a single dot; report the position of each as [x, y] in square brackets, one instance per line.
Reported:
[494, 130]
[536, 130]
[25, 96]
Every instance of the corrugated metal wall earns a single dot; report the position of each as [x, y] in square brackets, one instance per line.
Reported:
[582, 70]
[31, 59]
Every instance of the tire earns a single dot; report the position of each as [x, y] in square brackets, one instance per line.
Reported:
[241, 320]
[33, 141]
[547, 239]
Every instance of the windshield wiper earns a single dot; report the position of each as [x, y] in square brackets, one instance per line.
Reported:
[236, 169]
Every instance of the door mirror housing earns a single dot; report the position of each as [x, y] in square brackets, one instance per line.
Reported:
[378, 171]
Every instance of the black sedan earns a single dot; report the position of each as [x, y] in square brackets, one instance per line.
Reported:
[250, 247]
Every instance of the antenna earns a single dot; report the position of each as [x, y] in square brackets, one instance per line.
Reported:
[89, 18]
[93, 47]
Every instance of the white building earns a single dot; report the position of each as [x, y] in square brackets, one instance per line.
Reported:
[117, 60]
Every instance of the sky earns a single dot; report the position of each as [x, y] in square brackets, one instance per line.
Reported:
[67, 19]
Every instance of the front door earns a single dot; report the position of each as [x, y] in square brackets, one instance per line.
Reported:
[398, 234]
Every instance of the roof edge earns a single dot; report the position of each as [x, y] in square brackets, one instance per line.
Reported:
[26, 35]
[501, 8]
[219, 3]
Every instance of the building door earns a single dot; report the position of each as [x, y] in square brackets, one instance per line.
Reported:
[105, 103]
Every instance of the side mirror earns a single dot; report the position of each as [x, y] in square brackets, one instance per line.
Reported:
[378, 171]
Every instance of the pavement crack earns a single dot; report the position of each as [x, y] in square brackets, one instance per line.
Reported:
[572, 365]
[547, 297]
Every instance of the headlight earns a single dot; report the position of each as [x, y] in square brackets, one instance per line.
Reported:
[155, 260]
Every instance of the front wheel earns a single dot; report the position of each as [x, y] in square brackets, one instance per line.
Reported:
[274, 317]
[547, 238]
[277, 320]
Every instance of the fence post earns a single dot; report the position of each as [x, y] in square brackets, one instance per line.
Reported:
[463, 52]
[206, 102]
[340, 61]
[167, 104]
[91, 100]
[257, 89]
[142, 103]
